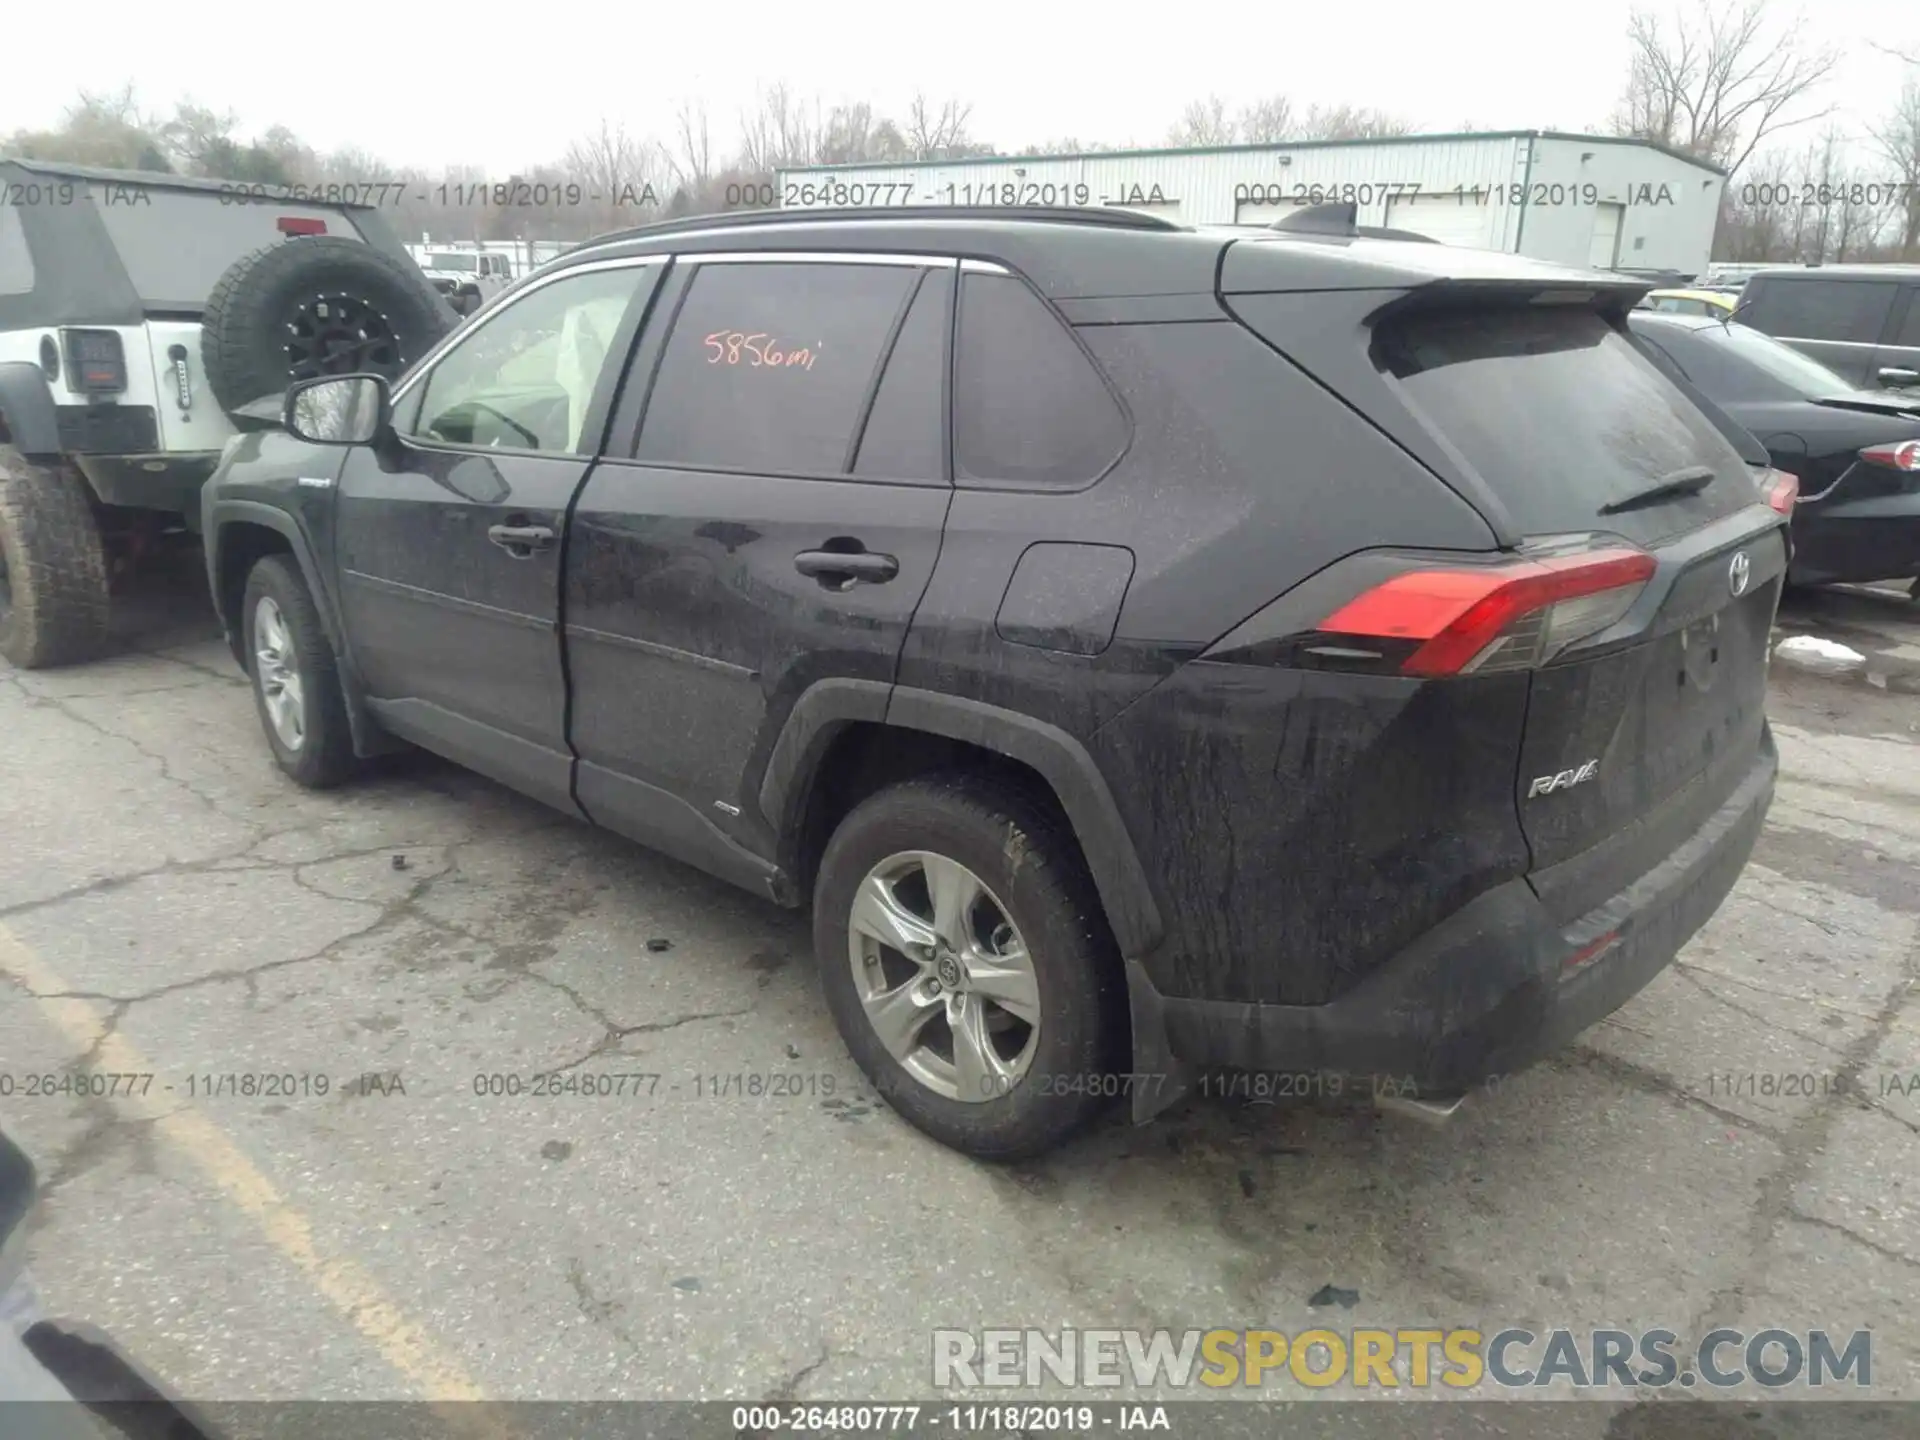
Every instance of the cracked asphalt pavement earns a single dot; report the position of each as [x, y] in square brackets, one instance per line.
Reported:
[1737, 1146]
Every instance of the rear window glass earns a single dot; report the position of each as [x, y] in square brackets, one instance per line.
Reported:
[1853, 310]
[1560, 415]
[176, 245]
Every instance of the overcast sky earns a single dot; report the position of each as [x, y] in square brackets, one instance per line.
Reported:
[503, 86]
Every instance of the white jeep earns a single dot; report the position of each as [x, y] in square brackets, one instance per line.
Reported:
[468, 278]
[144, 318]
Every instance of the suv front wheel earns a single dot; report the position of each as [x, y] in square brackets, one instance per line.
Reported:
[296, 686]
[967, 964]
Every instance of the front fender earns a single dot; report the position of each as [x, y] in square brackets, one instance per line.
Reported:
[26, 404]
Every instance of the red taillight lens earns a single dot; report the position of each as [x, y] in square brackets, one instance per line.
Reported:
[1903, 455]
[1500, 617]
[299, 225]
[1782, 490]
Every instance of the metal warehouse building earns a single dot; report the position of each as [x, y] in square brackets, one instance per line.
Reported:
[1577, 199]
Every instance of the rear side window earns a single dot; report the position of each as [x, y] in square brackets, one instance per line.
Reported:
[770, 364]
[176, 244]
[1560, 415]
[1029, 408]
[1854, 310]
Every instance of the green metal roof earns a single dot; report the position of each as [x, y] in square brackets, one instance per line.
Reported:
[1269, 147]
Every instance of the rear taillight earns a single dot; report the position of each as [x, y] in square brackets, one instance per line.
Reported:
[1782, 489]
[1902, 455]
[300, 225]
[96, 362]
[1498, 617]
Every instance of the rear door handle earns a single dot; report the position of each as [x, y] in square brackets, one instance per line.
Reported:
[520, 541]
[1899, 375]
[837, 569]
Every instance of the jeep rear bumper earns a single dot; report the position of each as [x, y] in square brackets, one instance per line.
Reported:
[1492, 989]
[169, 481]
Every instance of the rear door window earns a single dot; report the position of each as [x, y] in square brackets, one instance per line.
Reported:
[1561, 416]
[770, 364]
[1029, 408]
[1849, 310]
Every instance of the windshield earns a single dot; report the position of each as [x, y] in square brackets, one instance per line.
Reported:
[1802, 374]
[453, 262]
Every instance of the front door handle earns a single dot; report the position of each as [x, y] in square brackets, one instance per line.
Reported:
[840, 570]
[1899, 377]
[520, 541]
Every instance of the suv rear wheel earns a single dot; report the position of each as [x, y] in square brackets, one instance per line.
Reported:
[54, 596]
[967, 964]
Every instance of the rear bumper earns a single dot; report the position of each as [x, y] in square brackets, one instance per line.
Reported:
[1857, 540]
[169, 481]
[1481, 995]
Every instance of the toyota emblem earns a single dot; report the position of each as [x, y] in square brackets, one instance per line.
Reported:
[1738, 573]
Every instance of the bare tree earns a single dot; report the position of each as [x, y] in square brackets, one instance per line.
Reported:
[691, 159]
[615, 172]
[778, 134]
[1898, 141]
[939, 135]
[1267, 121]
[1719, 84]
[1204, 122]
[100, 128]
[1351, 122]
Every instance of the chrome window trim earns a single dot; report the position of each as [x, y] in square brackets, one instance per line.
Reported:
[509, 299]
[815, 257]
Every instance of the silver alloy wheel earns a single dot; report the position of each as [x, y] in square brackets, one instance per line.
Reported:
[944, 976]
[277, 672]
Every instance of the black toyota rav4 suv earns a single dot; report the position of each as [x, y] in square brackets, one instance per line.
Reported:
[1152, 652]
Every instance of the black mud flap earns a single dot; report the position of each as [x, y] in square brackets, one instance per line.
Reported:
[1159, 1079]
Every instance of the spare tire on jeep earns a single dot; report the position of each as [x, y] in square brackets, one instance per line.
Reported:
[311, 306]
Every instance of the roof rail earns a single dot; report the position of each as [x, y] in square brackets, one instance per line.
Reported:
[1108, 215]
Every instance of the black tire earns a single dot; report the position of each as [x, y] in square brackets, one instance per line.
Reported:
[54, 593]
[1028, 861]
[354, 308]
[324, 755]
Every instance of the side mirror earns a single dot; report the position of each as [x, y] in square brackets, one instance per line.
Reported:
[1897, 377]
[339, 409]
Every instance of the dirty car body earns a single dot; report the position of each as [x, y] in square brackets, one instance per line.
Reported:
[1386, 634]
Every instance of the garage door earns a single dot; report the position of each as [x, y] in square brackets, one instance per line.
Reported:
[1446, 219]
[1604, 252]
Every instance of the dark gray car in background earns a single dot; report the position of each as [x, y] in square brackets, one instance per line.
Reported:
[1860, 321]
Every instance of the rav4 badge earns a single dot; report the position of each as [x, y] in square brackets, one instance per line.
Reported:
[1565, 780]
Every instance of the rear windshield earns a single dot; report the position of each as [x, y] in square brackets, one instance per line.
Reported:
[177, 244]
[1561, 416]
[450, 262]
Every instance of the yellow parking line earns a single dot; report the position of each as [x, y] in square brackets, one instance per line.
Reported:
[437, 1375]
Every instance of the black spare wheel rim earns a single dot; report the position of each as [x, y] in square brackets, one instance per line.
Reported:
[312, 306]
[341, 334]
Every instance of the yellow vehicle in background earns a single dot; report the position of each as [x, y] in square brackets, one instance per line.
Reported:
[1713, 304]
